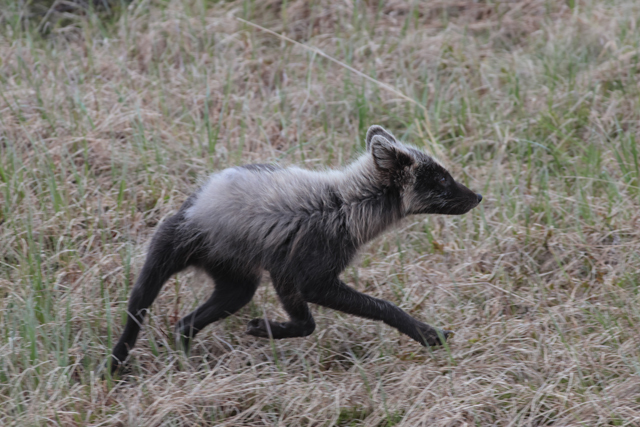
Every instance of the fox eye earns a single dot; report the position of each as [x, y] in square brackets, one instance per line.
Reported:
[442, 179]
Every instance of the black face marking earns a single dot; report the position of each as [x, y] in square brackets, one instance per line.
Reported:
[431, 177]
[436, 192]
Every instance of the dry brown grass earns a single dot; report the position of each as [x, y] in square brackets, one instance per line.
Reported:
[108, 122]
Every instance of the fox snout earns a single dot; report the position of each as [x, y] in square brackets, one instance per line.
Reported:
[460, 201]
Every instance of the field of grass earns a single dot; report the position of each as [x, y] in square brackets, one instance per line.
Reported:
[109, 120]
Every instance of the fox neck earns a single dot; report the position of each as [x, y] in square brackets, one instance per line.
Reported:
[370, 205]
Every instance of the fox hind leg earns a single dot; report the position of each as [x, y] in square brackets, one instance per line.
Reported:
[300, 322]
[233, 290]
[164, 259]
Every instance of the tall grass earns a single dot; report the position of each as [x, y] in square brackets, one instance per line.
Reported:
[109, 119]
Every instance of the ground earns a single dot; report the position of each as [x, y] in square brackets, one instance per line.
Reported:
[110, 118]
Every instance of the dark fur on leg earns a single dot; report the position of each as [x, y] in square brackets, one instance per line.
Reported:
[162, 262]
[336, 295]
[170, 252]
[301, 321]
[233, 290]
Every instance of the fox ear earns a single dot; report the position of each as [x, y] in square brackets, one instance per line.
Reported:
[376, 130]
[389, 156]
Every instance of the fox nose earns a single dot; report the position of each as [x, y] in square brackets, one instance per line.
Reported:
[479, 197]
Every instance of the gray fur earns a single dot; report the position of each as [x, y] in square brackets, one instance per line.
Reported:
[302, 226]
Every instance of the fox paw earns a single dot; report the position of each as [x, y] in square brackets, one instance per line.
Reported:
[262, 328]
[434, 337]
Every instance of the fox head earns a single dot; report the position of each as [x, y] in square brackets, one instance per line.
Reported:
[425, 186]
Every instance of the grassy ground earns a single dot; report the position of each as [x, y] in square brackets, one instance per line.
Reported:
[109, 121]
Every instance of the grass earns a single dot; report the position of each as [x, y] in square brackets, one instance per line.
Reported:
[109, 120]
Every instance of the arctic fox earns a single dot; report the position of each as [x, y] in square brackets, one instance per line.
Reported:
[303, 227]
